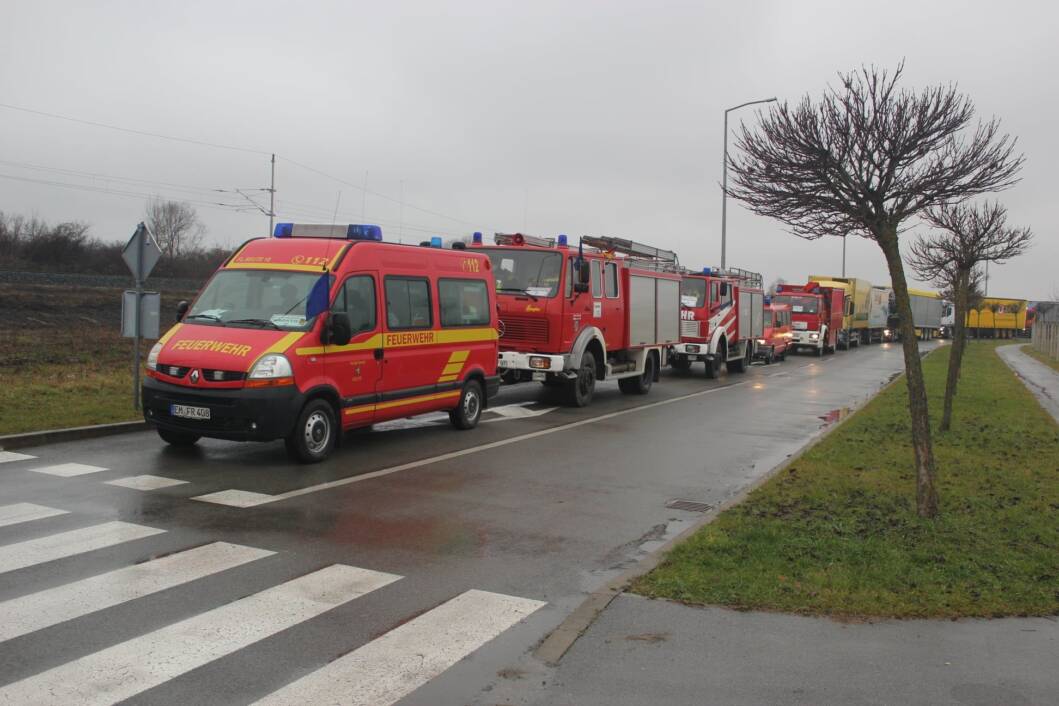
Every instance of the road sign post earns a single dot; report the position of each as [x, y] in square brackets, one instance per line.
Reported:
[141, 254]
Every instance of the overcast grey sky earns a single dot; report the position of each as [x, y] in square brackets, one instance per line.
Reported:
[545, 117]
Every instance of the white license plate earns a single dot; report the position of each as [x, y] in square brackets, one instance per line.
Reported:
[179, 410]
[539, 377]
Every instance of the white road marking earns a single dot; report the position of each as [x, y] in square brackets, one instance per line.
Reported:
[517, 411]
[396, 664]
[245, 499]
[126, 669]
[68, 470]
[145, 482]
[8, 456]
[64, 544]
[25, 512]
[56, 605]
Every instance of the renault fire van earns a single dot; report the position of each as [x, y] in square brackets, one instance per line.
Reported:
[322, 329]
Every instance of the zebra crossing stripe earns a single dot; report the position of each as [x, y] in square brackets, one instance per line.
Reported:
[8, 456]
[65, 544]
[68, 470]
[128, 668]
[56, 605]
[396, 664]
[145, 482]
[25, 512]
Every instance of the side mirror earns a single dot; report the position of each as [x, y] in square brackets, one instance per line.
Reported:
[339, 329]
[724, 289]
[182, 310]
[582, 275]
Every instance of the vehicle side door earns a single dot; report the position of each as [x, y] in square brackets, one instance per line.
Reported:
[413, 358]
[355, 369]
[612, 318]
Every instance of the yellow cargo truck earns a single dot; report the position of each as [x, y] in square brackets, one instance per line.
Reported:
[858, 307]
[997, 317]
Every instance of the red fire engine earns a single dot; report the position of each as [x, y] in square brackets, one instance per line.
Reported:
[775, 341]
[321, 329]
[816, 315]
[721, 318]
[570, 317]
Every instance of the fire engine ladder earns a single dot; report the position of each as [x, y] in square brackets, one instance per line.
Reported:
[646, 255]
[748, 278]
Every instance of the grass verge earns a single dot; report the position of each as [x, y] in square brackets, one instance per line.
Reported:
[1036, 354]
[836, 532]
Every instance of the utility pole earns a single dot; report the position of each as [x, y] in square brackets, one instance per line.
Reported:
[724, 179]
[272, 197]
[844, 255]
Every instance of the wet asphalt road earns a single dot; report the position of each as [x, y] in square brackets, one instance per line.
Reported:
[541, 502]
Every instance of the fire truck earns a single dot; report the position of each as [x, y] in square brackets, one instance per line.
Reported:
[721, 318]
[817, 313]
[570, 317]
[321, 329]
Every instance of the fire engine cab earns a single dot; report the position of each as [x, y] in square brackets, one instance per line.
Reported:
[572, 316]
[816, 314]
[321, 329]
[721, 318]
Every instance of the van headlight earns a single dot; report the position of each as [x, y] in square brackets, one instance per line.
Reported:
[271, 367]
[152, 357]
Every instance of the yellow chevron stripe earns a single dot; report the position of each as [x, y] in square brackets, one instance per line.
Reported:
[459, 356]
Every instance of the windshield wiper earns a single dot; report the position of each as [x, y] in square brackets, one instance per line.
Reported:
[520, 291]
[255, 322]
[211, 317]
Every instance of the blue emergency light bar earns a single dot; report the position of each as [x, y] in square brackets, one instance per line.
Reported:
[563, 240]
[311, 230]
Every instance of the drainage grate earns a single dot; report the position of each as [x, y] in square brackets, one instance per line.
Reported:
[688, 505]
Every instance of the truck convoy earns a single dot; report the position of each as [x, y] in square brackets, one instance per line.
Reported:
[928, 310]
[817, 314]
[322, 329]
[570, 317]
[721, 319]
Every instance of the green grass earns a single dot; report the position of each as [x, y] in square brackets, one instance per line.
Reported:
[836, 533]
[53, 381]
[1052, 363]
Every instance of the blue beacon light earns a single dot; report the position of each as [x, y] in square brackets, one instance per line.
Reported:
[562, 240]
[283, 230]
[476, 238]
[706, 271]
[363, 232]
[435, 241]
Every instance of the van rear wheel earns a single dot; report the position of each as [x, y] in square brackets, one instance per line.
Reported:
[178, 438]
[315, 433]
[469, 410]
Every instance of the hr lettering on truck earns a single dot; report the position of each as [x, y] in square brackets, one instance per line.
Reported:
[322, 329]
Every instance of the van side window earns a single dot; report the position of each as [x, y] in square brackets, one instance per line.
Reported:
[610, 273]
[356, 300]
[463, 302]
[597, 285]
[408, 303]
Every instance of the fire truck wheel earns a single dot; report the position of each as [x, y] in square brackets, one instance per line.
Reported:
[469, 410]
[580, 390]
[640, 384]
[314, 434]
[178, 438]
[740, 366]
[713, 367]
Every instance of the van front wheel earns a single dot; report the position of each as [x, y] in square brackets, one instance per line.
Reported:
[178, 438]
[315, 433]
[469, 410]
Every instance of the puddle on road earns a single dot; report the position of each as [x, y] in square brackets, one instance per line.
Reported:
[835, 415]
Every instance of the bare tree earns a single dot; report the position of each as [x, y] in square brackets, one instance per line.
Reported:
[175, 226]
[971, 235]
[864, 159]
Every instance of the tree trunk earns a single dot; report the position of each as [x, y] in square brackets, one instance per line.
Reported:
[926, 494]
[959, 339]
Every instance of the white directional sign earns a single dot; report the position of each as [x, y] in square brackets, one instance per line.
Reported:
[141, 253]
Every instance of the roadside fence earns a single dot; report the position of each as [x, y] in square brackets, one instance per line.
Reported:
[1046, 329]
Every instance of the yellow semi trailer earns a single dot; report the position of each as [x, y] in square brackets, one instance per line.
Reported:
[997, 317]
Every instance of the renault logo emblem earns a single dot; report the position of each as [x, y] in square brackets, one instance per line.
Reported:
[195, 376]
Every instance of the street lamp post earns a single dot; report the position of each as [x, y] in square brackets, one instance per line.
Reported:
[724, 179]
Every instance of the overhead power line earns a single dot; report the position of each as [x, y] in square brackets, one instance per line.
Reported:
[217, 145]
[116, 192]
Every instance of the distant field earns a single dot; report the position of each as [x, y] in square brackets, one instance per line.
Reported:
[63, 361]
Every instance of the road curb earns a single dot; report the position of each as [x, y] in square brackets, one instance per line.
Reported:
[556, 644]
[54, 436]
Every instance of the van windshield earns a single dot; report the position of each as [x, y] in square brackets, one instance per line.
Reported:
[799, 305]
[535, 273]
[693, 292]
[256, 299]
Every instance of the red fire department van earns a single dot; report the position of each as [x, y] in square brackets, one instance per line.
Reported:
[775, 340]
[572, 316]
[816, 315]
[322, 329]
[721, 318]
